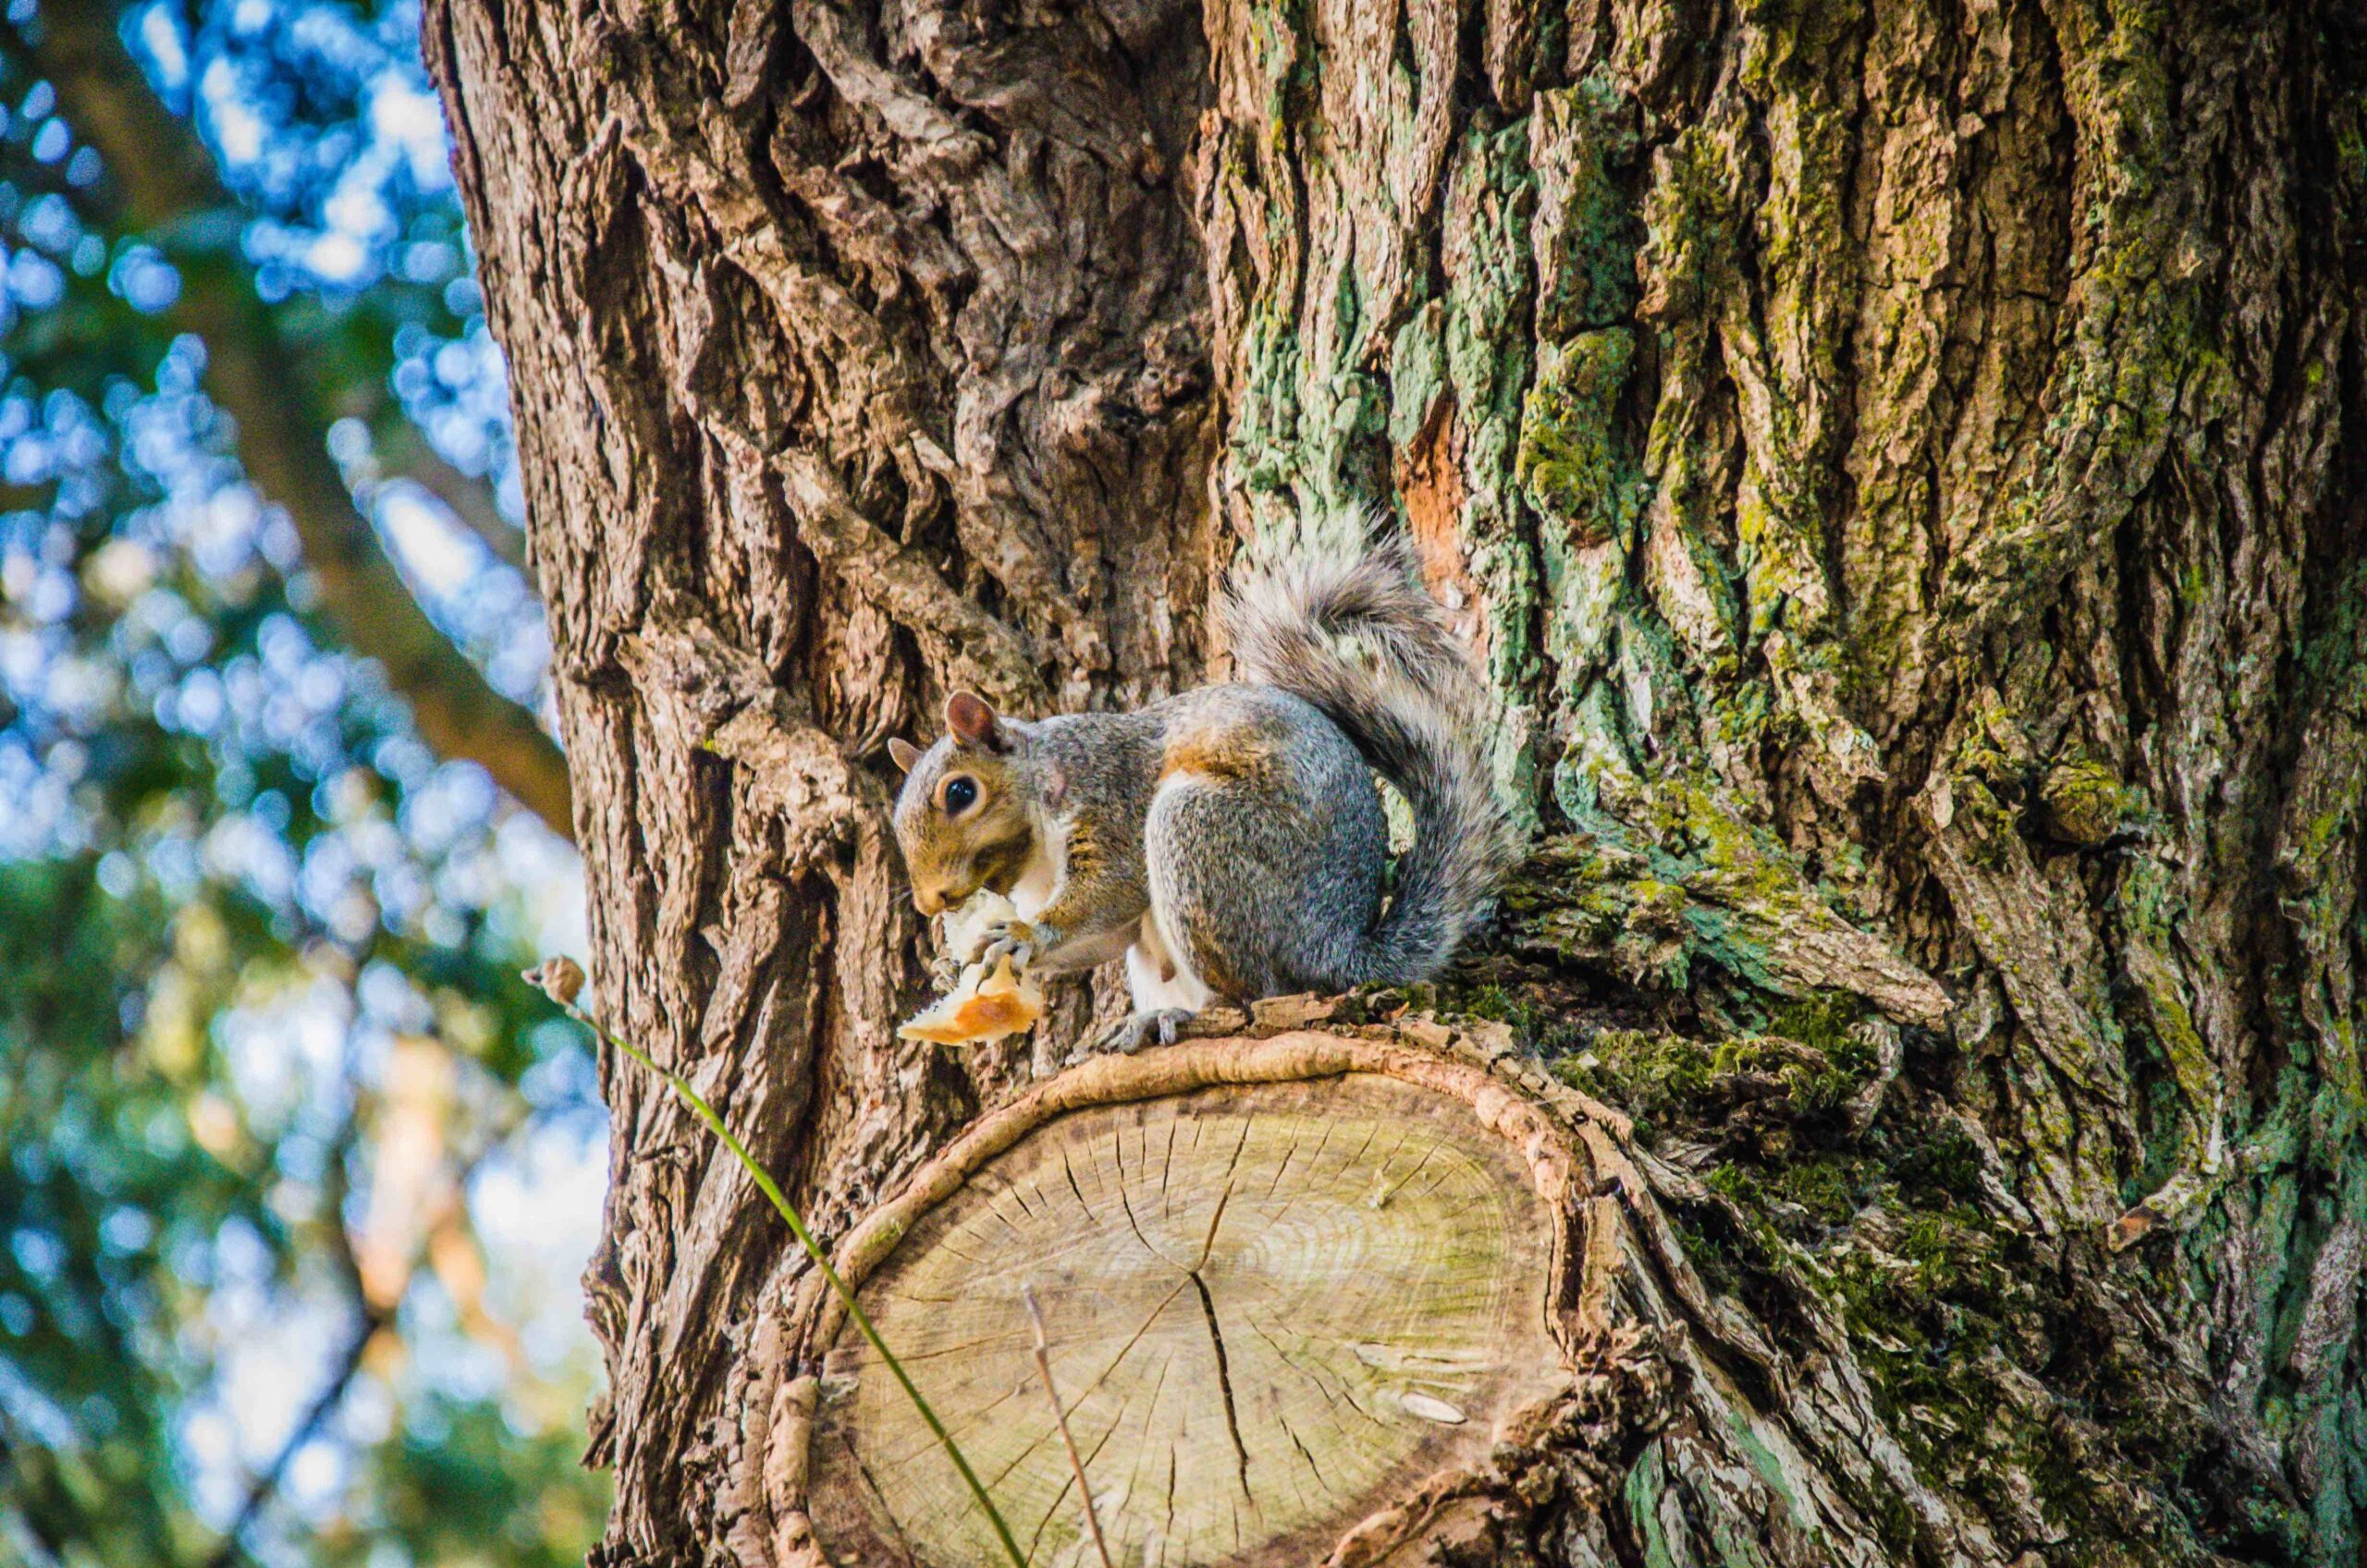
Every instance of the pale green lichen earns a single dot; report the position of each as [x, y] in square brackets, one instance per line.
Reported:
[1490, 281]
[1587, 227]
[1570, 462]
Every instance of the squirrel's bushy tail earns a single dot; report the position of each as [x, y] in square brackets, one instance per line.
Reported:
[1411, 710]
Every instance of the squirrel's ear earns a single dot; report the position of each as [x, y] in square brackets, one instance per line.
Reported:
[972, 721]
[904, 751]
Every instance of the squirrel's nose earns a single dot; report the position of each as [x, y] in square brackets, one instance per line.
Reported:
[928, 900]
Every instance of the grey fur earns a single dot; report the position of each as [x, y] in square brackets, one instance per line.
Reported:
[1412, 713]
[1242, 820]
[1271, 884]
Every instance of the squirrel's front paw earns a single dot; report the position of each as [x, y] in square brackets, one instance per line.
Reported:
[1134, 1031]
[1018, 941]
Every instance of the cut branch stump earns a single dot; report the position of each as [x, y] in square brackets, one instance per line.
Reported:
[1309, 1298]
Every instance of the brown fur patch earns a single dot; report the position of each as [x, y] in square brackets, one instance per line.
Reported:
[1215, 752]
[1001, 864]
[1083, 856]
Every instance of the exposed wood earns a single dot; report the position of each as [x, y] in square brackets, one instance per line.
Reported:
[1303, 1279]
[1280, 1307]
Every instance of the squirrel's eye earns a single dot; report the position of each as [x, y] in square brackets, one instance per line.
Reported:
[961, 794]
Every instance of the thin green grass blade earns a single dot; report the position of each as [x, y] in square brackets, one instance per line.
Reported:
[763, 1180]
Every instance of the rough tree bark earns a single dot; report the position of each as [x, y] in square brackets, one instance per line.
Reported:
[1904, 468]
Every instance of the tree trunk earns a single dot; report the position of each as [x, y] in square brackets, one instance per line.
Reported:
[1903, 467]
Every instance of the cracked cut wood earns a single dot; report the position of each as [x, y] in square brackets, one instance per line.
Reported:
[1269, 1306]
[1274, 1308]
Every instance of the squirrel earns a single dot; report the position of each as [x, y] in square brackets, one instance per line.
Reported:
[1228, 841]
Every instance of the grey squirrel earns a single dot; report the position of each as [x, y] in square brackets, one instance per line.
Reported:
[1229, 842]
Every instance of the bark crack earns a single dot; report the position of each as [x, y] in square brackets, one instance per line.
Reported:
[1224, 1385]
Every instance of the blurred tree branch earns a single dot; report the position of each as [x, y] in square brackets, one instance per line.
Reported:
[372, 1316]
[166, 176]
[406, 453]
[231, 1548]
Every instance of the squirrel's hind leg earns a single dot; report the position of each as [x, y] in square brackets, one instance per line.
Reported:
[1159, 975]
[1134, 1031]
[1166, 995]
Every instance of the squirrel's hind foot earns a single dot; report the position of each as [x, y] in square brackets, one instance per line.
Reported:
[1134, 1031]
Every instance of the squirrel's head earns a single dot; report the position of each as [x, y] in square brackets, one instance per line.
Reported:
[963, 820]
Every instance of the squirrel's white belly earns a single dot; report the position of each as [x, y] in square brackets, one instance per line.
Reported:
[1041, 878]
[1157, 974]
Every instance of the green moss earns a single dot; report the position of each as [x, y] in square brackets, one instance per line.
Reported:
[1668, 1083]
[2081, 802]
[1826, 1188]
[1935, 1296]
[1645, 1074]
[1571, 464]
[1940, 1166]
[1493, 1003]
[1825, 1021]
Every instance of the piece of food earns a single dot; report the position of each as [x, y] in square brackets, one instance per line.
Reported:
[983, 1005]
[980, 1009]
[966, 924]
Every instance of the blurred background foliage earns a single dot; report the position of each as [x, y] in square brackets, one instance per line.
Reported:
[295, 1177]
